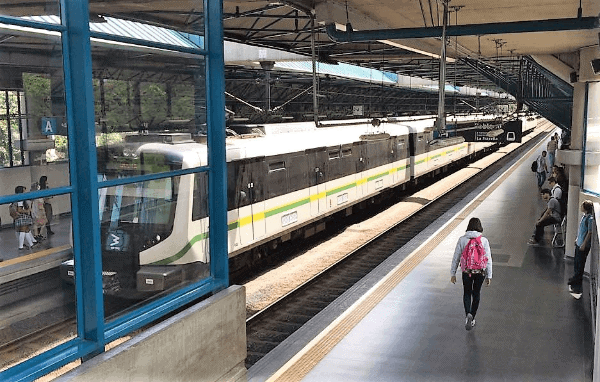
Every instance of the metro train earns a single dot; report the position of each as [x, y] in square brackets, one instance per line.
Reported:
[284, 181]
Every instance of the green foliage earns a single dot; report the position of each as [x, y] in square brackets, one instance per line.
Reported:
[37, 94]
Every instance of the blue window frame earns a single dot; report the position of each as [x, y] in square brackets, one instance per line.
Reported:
[92, 330]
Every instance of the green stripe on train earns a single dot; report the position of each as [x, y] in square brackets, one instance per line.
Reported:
[340, 189]
[377, 176]
[183, 251]
[286, 207]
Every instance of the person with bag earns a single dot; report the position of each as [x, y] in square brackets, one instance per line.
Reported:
[475, 258]
[541, 169]
[22, 221]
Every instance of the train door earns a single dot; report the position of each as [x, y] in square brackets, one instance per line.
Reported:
[317, 160]
[359, 151]
[251, 222]
[257, 177]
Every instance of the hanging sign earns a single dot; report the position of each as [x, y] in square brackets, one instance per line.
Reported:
[49, 125]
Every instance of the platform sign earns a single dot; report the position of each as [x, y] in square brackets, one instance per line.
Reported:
[508, 132]
[49, 125]
[513, 131]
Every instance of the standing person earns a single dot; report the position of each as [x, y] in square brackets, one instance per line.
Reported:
[557, 139]
[542, 169]
[551, 215]
[551, 147]
[476, 267]
[38, 213]
[22, 221]
[582, 247]
[47, 205]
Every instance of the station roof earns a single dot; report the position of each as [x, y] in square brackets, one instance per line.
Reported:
[494, 43]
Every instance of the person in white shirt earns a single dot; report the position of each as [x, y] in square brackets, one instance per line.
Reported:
[542, 169]
[555, 189]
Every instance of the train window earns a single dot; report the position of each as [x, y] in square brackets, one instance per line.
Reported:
[401, 144]
[277, 166]
[334, 154]
[276, 183]
[346, 152]
[200, 205]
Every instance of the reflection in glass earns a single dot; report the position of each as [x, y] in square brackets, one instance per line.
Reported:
[186, 16]
[154, 237]
[31, 9]
[33, 131]
[146, 95]
[37, 307]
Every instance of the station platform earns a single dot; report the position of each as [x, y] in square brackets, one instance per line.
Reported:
[405, 321]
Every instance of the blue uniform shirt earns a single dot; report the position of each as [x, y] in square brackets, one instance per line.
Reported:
[585, 225]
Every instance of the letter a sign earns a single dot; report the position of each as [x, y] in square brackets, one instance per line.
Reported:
[49, 125]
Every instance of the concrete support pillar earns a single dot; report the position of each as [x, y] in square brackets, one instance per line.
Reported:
[572, 159]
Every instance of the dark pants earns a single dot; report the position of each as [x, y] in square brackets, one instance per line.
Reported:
[578, 267]
[539, 227]
[472, 285]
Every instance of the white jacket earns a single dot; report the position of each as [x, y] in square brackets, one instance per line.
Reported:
[462, 243]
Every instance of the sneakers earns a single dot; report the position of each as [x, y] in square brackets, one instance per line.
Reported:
[469, 323]
[533, 242]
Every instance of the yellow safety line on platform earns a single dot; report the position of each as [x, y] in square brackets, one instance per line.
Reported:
[33, 256]
[303, 362]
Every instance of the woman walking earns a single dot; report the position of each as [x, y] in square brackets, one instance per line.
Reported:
[475, 258]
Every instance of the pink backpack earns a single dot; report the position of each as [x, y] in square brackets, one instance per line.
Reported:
[473, 255]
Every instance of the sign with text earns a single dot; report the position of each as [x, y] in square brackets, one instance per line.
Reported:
[49, 125]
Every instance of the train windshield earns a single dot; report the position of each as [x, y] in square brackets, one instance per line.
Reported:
[136, 216]
[145, 210]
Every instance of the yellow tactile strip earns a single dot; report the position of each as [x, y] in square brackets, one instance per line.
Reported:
[33, 256]
[300, 365]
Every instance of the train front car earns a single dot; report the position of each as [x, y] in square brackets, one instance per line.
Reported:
[153, 233]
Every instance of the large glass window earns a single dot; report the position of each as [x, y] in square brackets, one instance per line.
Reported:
[35, 230]
[147, 132]
[592, 141]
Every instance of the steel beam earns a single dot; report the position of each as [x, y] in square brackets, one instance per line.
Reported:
[464, 30]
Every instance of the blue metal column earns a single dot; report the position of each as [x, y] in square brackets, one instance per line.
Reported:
[215, 105]
[83, 167]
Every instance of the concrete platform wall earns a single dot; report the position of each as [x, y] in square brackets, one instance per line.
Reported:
[206, 342]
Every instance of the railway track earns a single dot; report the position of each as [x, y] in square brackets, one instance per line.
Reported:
[272, 325]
